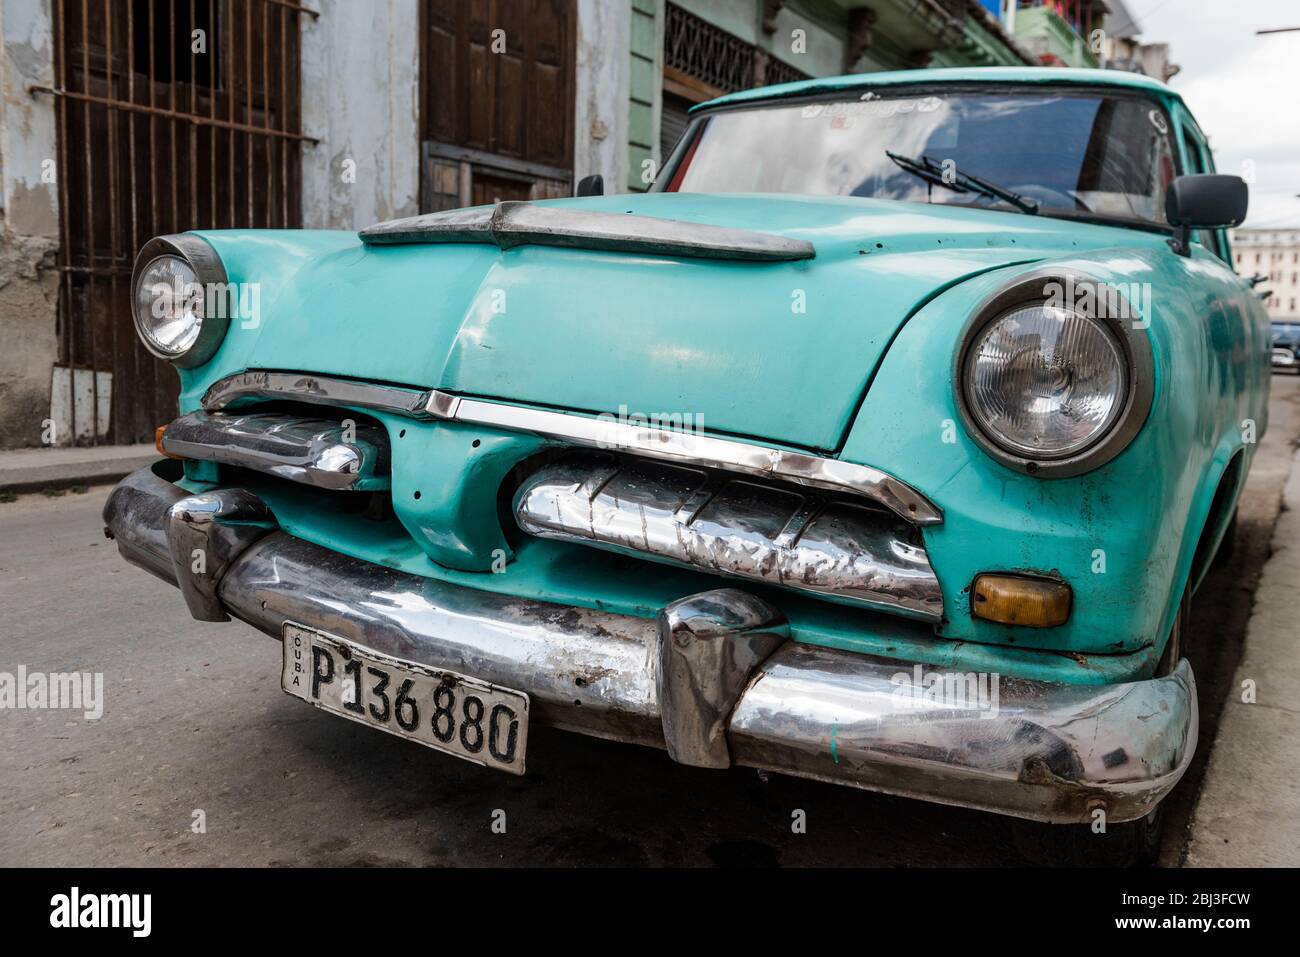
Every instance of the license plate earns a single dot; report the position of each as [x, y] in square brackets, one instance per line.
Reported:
[472, 719]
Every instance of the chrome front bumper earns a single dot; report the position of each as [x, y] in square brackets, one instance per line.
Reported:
[715, 679]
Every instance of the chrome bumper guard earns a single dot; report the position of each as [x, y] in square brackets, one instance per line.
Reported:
[715, 679]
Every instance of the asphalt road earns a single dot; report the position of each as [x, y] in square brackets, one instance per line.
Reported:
[194, 720]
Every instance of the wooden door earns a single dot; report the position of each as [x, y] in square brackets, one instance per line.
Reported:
[496, 99]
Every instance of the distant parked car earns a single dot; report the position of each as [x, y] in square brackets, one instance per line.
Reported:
[883, 443]
[1286, 346]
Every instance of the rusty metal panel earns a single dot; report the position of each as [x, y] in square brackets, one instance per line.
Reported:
[172, 115]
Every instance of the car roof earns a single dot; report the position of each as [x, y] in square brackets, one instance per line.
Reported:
[1027, 75]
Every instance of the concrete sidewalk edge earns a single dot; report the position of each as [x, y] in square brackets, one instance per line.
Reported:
[1248, 812]
[31, 470]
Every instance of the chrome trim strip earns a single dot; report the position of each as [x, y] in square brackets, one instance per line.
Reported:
[514, 223]
[1039, 750]
[685, 448]
[320, 390]
[317, 452]
[797, 538]
[590, 432]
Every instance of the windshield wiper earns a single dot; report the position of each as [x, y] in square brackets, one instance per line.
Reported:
[930, 171]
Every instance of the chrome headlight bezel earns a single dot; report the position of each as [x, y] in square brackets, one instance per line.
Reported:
[1135, 348]
[209, 272]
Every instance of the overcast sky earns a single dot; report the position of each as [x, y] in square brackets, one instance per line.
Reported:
[1244, 89]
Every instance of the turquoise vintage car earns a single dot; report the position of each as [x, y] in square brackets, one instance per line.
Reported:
[882, 442]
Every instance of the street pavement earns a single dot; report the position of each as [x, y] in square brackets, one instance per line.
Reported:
[196, 729]
[1249, 810]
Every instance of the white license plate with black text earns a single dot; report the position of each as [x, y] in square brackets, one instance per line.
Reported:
[464, 716]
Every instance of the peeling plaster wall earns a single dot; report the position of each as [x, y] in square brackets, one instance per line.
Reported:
[603, 67]
[29, 223]
[360, 81]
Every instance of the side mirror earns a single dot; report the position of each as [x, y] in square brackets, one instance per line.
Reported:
[1204, 201]
[593, 185]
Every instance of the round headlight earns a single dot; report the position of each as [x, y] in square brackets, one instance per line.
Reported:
[1044, 382]
[177, 280]
[169, 306]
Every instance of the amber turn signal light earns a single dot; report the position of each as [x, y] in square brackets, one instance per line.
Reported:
[157, 442]
[1013, 600]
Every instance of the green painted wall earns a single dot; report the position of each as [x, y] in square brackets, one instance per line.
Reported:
[645, 89]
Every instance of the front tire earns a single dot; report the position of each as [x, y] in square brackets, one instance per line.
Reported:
[1131, 844]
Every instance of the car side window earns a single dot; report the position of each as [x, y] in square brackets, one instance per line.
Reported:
[1199, 161]
[1195, 164]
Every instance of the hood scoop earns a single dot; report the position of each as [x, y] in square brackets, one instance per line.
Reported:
[510, 224]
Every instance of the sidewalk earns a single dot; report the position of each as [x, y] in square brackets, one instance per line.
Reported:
[1248, 814]
[29, 470]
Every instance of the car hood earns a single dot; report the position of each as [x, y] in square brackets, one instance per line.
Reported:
[778, 351]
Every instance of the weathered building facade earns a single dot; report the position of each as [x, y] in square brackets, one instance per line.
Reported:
[123, 119]
[1275, 255]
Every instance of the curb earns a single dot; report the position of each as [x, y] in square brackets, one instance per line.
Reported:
[1248, 812]
[31, 470]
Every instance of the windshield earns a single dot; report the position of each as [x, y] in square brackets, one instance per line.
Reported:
[1093, 155]
[1286, 330]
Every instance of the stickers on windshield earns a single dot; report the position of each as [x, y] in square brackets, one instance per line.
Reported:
[839, 113]
[1158, 121]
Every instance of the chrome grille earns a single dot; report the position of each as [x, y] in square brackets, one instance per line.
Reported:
[794, 537]
[325, 453]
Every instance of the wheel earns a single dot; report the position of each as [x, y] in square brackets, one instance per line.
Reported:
[1227, 545]
[1129, 844]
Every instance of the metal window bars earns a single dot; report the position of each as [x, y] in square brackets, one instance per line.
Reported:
[171, 115]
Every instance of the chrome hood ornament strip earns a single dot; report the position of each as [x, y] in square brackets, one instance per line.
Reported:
[318, 390]
[607, 433]
[515, 223]
[688, 448]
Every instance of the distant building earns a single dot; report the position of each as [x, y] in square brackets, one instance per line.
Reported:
[1274, 254]
[1083, 33]
[1122, 50]
[1058, 32]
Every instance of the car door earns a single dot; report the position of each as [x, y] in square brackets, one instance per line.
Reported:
[1235, 324]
